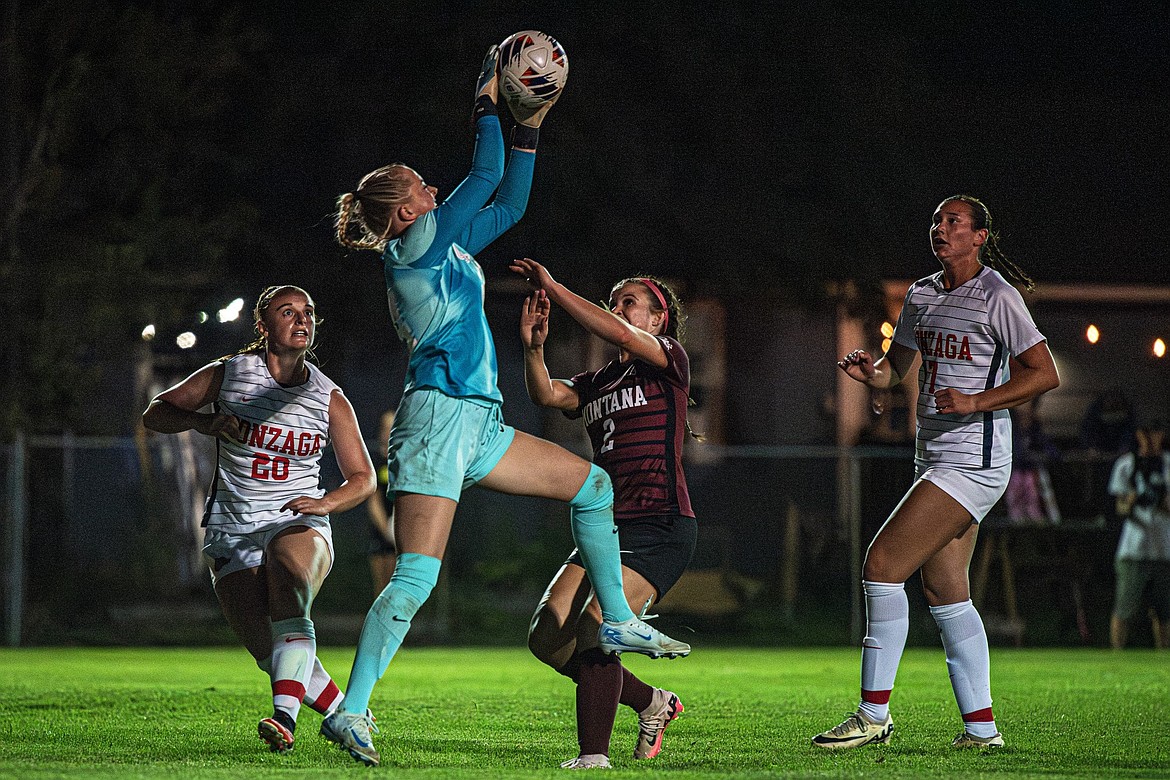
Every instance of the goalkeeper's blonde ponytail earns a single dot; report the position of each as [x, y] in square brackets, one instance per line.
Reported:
[362, 220]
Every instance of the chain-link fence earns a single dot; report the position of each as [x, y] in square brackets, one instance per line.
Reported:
[101, 541]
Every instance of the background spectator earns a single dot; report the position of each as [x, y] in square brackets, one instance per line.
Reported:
[1142, 563]
[1029, 497]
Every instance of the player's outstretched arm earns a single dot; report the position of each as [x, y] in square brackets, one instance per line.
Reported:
[601, 323]
[542, 388]
[883, 373]
[488, 85]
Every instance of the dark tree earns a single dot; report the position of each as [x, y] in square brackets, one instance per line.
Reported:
[117, 199]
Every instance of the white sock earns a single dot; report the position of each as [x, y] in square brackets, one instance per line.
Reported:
[294, 648]
[322, 694]
[969, 663]
[887, 623]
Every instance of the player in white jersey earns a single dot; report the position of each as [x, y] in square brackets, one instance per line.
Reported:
[981, 355]
[268, 542]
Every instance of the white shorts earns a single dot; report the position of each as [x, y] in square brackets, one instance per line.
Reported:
[226, 553]
[978, 490]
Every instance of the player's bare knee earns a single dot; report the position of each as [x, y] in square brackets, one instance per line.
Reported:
[547, 640]
[539, 634]
[947, 591]
[880, 567]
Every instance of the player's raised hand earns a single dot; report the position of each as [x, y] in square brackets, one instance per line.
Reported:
[530, 117]
[534, 273]
[487, 87]
[858, 364]
[534, 320]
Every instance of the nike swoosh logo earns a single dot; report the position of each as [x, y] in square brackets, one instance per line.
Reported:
[247, 398]
[398, 619]
[296, 639]
[647, 637]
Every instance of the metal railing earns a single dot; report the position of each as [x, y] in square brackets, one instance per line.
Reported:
[117, 523]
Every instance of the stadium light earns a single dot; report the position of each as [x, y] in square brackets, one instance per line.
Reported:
[1092, 335]
[1159, 348]
[887, 330]
[148, 332]
[231, 312]
[185, 340]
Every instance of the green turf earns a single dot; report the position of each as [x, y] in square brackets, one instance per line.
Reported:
[191, 714]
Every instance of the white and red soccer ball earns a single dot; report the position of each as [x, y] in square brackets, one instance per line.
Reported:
[533, 68]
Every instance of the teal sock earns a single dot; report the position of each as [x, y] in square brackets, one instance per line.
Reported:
[597, 542]
[386, 625]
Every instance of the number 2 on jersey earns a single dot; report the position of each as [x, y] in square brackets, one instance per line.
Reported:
[607, 439]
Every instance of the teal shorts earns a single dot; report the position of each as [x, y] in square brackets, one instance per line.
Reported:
[440, 445]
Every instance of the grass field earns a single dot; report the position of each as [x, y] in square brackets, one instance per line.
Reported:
[191, 714]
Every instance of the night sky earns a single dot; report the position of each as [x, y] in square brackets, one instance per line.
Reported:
[732, 144]
[749, 154]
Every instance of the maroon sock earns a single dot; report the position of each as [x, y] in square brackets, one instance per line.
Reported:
[635, 693]
[572, 668]
[599, 687]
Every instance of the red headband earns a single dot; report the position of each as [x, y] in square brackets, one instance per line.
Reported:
[661, 300]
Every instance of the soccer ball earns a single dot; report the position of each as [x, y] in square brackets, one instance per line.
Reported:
[533, 68]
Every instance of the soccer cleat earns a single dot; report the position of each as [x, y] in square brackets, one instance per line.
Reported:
[968, 740]
[352, 732]
[279, 738]
[855, 731]
[638, 636]
[651, 727]
[590, 761]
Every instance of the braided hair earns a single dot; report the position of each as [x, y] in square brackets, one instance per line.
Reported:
[990, 254]
[363, 216]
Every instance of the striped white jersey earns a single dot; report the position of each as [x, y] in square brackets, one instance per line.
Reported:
[965, 336]
[279, 457]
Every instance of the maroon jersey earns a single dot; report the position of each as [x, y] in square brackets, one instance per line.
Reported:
[636, 417]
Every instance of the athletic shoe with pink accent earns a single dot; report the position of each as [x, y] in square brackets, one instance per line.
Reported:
[279, 739]
[664, 708]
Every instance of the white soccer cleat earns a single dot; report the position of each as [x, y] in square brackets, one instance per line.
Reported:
[590, 761]
[664, 708]
[968, 740]
[352, 732]
[638, 636]
[855, 731]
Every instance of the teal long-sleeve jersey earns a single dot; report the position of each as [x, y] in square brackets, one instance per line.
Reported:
[435, 286]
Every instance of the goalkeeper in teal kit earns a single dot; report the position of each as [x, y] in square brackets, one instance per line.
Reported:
[449, 432]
